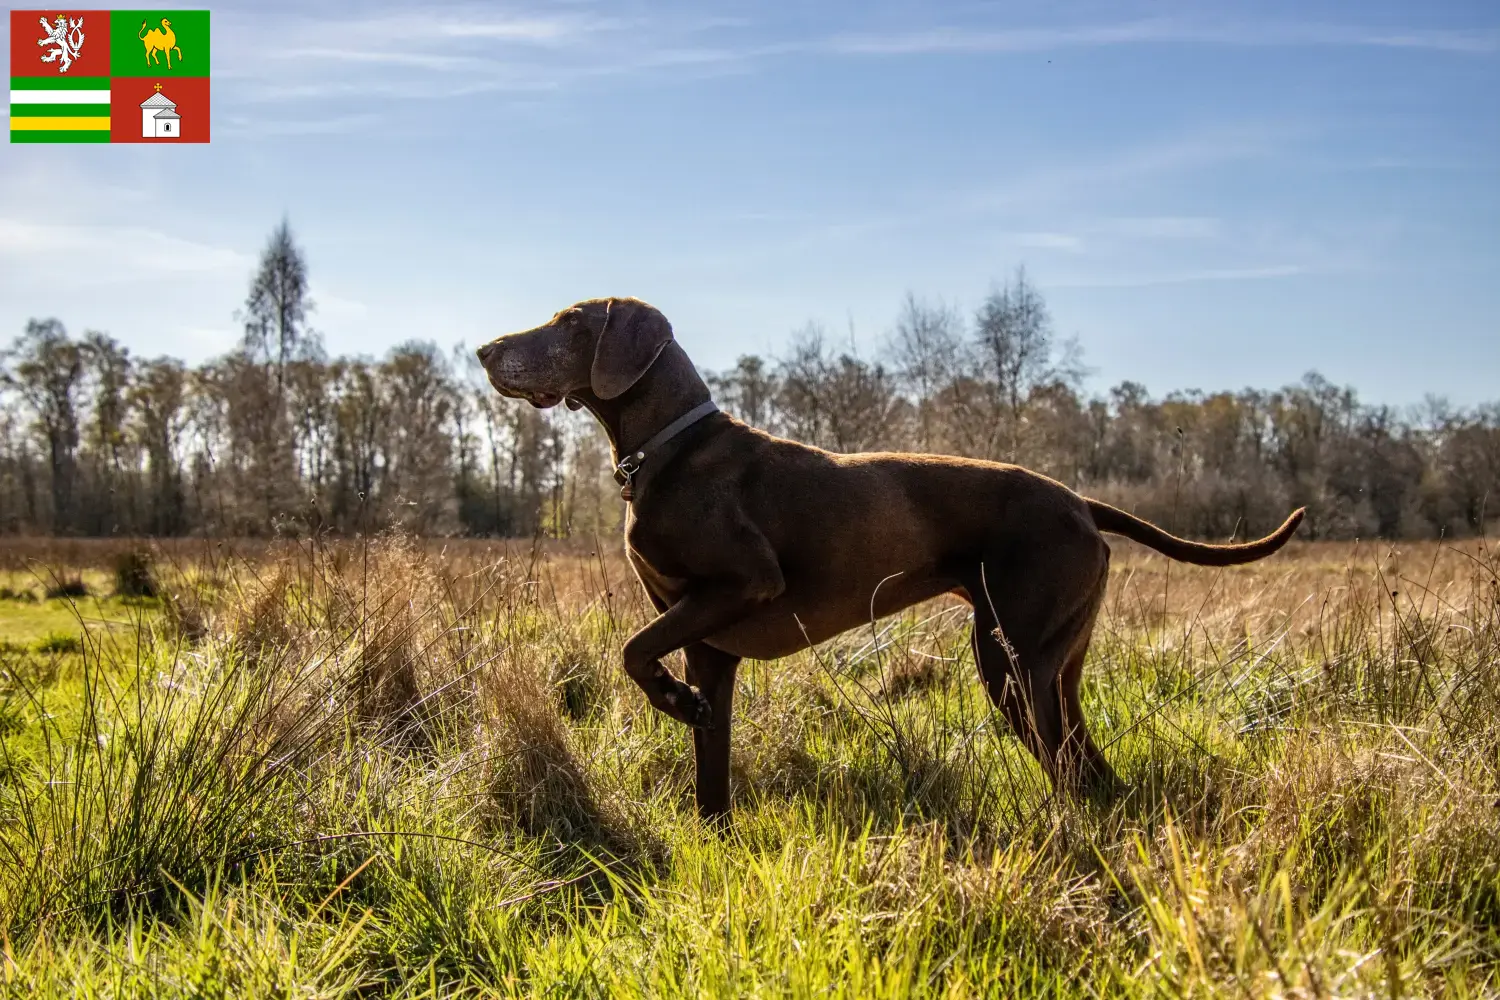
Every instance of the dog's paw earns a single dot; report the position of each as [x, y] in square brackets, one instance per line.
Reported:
[687, 706]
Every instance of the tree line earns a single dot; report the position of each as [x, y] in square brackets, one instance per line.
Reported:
[276, 437]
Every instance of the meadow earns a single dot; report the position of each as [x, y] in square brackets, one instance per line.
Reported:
[393, 767]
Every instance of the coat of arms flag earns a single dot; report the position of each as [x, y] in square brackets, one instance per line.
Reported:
[109, 76]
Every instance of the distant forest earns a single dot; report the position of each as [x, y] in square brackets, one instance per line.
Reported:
[277, 438]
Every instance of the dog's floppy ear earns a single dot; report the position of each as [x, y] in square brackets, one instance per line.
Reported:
[633, 335]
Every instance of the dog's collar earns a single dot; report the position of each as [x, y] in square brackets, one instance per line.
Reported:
[631, 464]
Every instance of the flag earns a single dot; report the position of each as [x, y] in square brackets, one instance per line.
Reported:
[109, 76]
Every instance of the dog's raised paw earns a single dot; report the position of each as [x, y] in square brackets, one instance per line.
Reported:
[687, 706]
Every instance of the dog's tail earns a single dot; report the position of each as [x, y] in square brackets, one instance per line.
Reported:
[1118, 522]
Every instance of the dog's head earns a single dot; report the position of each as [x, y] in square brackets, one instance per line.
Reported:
[600, 345]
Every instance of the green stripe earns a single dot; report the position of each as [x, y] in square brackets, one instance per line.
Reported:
[59, 83]
[59, 110]
[25, 135]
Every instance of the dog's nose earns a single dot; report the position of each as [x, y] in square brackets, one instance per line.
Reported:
[485, 351]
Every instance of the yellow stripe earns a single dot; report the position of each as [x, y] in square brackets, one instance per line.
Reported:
[59, 124]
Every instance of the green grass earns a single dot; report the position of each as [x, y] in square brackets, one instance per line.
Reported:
[405, 776]
[59, 625]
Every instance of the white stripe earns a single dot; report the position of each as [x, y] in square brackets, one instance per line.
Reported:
[59, 97]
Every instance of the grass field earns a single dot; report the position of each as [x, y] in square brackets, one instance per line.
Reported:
[416, 770]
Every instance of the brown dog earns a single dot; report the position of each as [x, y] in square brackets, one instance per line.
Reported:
[752, 545]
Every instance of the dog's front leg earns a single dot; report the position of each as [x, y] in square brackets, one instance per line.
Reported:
[699, 614]
[712, 671]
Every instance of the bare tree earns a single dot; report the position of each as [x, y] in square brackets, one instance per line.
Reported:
[748, 390]
[158, 400]
[1013, 331]
[47, 373]
[836, 401]
[105, 441]
[276, 336]
[928, 351]
[276, 310]
[418, 491]
[360, 413]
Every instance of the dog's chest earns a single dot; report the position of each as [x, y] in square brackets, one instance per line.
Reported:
[667, 587]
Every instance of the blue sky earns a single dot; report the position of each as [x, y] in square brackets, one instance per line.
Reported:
[1211, 195]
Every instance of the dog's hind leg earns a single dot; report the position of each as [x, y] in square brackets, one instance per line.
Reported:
[712, 672]
[1031, 661]
[1081, 762]
[1010, 678]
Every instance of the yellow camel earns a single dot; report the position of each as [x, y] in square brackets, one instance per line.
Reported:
[159, 40]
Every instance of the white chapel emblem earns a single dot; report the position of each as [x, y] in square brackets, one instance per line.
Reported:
[159, 117]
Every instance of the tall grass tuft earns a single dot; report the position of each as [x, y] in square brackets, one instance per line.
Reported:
[66, 588]
[135, 575]
[170, 773]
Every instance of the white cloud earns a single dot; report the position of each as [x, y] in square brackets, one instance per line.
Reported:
[1476, 41]
[334, 306]
[208, 341]
[407, 90]
[1162, 227]
[242, 125]
[1049, 241]
[969, 39]
[525, 29]
[1068, 182]
[412, 60]
[385, 54]
[1148, 280]
[118, 251]
[978, 39]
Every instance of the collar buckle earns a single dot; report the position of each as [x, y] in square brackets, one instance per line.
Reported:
[625, 473]
[628, 466]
